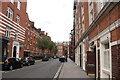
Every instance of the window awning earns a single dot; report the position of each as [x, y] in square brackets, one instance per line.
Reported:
[21, 46]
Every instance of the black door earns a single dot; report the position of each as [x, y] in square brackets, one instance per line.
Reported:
[14, 51]
[98, 64]
[91, 62]
[80, 56]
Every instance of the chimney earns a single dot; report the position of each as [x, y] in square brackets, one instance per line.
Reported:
[43, 32]
[39, 30]
[46, 34]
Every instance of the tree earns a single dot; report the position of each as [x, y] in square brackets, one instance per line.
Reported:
[42, 43]
[45, 43]
[55, 49]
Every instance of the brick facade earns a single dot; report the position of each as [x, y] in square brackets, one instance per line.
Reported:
[116, 61]
[27, 34]
[95, 26]
[60, 48]
[106, 21]
[20, 28]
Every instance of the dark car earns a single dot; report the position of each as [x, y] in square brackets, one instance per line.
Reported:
[45, 58]
[62, 58]
[11, 63]
[28, 61]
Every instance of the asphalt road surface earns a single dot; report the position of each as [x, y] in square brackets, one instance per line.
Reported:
[46, 69]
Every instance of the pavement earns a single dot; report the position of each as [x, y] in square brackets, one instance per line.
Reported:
[71, 70]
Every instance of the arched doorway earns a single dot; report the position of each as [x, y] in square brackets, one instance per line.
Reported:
[14, 51]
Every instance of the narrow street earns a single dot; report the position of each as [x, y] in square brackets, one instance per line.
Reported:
[41, 69]
[59, 39]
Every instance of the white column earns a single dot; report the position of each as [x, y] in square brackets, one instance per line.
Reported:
[83, 56]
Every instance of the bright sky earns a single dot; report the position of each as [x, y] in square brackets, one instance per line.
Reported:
[52, 16]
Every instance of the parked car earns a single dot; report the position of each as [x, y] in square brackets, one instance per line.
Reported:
[62, 58]
[28, 61]
[45, 58]
[1, 63]
[54, 57]
[11, 63]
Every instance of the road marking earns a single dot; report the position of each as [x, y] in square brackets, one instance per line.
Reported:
[58, 72]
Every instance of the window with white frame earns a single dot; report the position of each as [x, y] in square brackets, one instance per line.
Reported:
[83, 26]
[106, 56]
[28, 25]
[83, 22]
[79, 18]
[12, 1]
[9, 13]
[19, 4]
[28, 32]
[8, 30]
[28, 39]
[16, 35]
[101, 4]
[18, 19]
[91, 12]
[28, 46]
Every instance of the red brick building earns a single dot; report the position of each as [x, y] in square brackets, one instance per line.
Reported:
[60, 48]
[18, 34]
[12, 27]
[32, 34]
[97, 38]
[63, 48]
[72, 45]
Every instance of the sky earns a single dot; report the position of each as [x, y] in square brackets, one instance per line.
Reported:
[53, 16]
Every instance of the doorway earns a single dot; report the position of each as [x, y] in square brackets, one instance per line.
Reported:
[14, 51]
[80, 56]
[91, 62]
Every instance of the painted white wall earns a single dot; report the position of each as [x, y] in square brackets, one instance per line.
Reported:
[83, 52]
[76, 56]
[83, 55]
[78, 49]
[97, 48]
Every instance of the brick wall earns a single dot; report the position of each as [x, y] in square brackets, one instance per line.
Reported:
[116, 61]
[86, 15]
[10, 48]
[24, 21]
[115, 34]
[106, 21]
